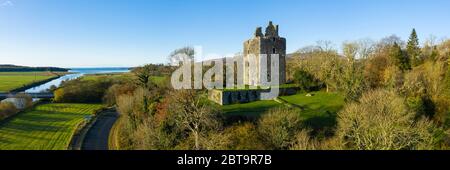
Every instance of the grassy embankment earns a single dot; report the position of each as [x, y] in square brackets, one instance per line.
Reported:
[318, 110]
[14, 80]
[44, 127]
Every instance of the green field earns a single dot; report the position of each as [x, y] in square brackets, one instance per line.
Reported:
[124, 76]
[13, 80]
[158, 80]
[318, 110]
[106, 75]
[45, 127]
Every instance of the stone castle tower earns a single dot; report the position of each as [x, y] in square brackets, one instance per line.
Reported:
[268, 43]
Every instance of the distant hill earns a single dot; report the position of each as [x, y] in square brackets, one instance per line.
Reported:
[14, 68]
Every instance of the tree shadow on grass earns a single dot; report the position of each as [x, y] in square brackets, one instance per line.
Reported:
[49, 116]
[45, 122]
[26, 127]
[4, 141]
[44, 118]
[324, 122]
[18, 136]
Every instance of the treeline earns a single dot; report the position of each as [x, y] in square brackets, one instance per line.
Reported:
[397, 97]
[101, 88]
[14, 68]
[83, 90]
[397, 93]
[420, 74]
[155, 69]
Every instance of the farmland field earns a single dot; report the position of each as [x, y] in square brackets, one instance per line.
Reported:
[13, 80]
[45, 127]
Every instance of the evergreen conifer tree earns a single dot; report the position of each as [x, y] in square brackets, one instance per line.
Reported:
[413, 49]
[401, 60]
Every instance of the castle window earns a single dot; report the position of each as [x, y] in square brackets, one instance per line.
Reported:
[274, 50]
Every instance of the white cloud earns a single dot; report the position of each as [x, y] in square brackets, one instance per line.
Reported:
[6, 4]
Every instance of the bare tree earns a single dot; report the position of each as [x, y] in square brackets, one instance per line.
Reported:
[178, 55]
[193, 114]
[352, 80]
[350, 50]
[278, 127]
[325, 45]
[366, 47]
[391, 40]
[330, 70]
[382, 121]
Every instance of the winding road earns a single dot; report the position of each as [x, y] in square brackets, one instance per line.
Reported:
[97, 136]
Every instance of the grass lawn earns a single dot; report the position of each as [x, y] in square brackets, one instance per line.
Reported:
[318, 110]
[106, 75]
[12, 80]
[250, 109]
[45, 127]
[158, 80]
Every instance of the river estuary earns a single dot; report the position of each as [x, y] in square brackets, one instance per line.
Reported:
[75, 73]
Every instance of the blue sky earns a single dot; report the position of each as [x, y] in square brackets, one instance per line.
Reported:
[74, 33]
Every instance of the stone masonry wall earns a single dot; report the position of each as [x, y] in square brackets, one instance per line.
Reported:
[244, 96]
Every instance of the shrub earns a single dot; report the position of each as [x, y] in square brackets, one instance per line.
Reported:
[82, 91]
[244, 137]
[425, 90]
[305, 80]
[23, 101]
[393, 77]
[151, 135]
[278, 127]
[442, 112]
[303, 141]
[422, 106]
[382, 121]
[7, 109]
[216, 141]
[115, 91]
[373, 71]
[13, 105]
[194, 114]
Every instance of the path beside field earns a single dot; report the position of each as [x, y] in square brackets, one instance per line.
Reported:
[97, 136]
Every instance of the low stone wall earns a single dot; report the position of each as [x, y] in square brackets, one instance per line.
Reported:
[244, 96]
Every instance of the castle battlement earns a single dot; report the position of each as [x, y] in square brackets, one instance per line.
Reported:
[264, 44]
